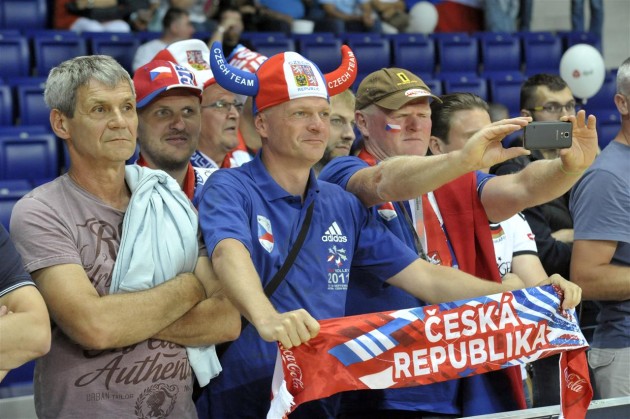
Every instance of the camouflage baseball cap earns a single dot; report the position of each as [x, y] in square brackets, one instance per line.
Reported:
[391, 88]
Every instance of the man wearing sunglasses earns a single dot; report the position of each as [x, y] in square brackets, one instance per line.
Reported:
[546, 97]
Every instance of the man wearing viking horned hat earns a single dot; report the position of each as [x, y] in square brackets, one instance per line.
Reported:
[252, 216]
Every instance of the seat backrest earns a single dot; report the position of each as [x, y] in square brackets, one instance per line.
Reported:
[435, 85]
[313, 37]
[501, 52]
[19, 14]
[415, 53]
[6, 207]
[590, 38]
[29, 158]
[6, 105]
[371, 55]
[14, 188]
[54, 47]
[458, 54]
[608, 125]
[476, 85]
[16, 57]
[325, 53]
[604, 98]
[542, 52]
[506, 90]
[272, 46]
[31, 106]
[120, 46]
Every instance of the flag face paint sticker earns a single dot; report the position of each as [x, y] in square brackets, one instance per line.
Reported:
[160, 73]
[392, 128]
[434, 343]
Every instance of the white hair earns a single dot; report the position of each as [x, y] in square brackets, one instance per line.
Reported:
[623, 78]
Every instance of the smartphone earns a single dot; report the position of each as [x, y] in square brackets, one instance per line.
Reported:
[548, 135]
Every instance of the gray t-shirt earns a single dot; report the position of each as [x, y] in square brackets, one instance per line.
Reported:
[60, 223]
[600, 206]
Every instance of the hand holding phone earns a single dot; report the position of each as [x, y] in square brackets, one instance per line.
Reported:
[547, 135]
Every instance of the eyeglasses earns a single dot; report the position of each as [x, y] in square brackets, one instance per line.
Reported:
[555, 108]
[224, 106]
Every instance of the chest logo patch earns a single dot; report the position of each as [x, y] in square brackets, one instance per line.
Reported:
[265, 235]
[334, 234]
[387, 211]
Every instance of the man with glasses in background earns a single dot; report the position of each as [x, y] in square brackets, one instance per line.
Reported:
[220, 109]
[546, 97]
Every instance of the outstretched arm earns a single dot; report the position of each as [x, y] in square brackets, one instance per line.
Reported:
[407, 177]
[543, 180]
[236, 272]
[438, 284]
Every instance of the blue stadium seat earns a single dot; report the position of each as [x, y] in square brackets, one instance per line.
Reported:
[19, 14]
[326, 53]
[590, 38]
[121, 46]
[19, 381]
[500, 51]
[268, 36]
[24, 131]
[414, 52]
[506, 89]
[32, 109]
[474, 84]
[542, 52]
[372, 54]
[29, 158]
[458, 54]
[360, 36]
[6, 106]
[15, 187]
[604, 99]
[145, 36]
[608, 125]
[313, 37]
[53, 47]
[272, 45]
[435, 85]
[16, 58]
[6, 206]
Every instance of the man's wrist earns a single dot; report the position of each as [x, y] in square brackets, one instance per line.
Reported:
[570, 172]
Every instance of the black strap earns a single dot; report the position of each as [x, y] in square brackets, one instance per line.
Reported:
[281, 274]
[416, 238]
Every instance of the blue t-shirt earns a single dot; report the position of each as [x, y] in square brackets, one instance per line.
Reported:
[369, 295]
[12, 273]
[246, 204]
[600, 206]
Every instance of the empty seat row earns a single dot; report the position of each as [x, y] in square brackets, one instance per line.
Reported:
[17, 14]
[50, 48]
[531, 52]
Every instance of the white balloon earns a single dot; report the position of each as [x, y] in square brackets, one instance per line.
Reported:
[582, 68]
[423, 18]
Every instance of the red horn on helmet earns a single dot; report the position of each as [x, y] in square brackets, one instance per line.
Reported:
[342, 78]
